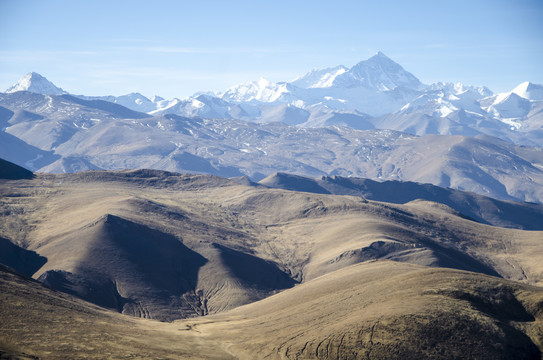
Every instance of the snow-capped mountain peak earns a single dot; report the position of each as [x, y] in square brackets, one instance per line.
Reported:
[431, 103]
[260, 90]
[378, 73]
[380, 56]
[34, 82]
[319, 78]
[374, 86]
[459, 88]
[510, 105]
[136, 101]
[529, 91]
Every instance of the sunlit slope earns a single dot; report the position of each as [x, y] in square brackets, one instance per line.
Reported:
[377, 309]
[167, 246]
[278, 274]
[384, 310]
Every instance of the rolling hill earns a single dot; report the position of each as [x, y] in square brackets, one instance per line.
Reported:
[527, 216]
[378, 310]
[234, 269]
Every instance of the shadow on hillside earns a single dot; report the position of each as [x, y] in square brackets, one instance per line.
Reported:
[253, 271]
[128, 263]
[24, 261]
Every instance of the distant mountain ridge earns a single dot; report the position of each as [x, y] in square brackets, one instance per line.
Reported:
[68, 134]
[374, 93]
[477, 207]
[312, 126]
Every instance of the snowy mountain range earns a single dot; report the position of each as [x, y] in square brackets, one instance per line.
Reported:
[375, 93]
[62, 133]
[373, 120]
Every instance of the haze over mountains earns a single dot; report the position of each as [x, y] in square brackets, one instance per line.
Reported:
[316, 125]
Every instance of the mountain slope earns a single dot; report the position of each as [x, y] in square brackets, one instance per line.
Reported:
[483, 209]
[88, 135]
[40, 323]
[136, 266]
[320, 275]
[46, 121]
[129, 267]
[19, 152]
[166, 246]
[381, 308]
[529, 91]
[319, 78]
[9, 170]
[387, 310]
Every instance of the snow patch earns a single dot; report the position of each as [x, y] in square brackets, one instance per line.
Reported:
[30, 163]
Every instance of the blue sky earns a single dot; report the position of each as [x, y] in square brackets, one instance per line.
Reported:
[175, 48]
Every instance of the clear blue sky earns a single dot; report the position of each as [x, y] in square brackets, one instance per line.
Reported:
[175, 48]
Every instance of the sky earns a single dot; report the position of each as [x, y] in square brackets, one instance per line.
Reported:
[177, 48]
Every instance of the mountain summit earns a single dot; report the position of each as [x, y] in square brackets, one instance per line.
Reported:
[378, 73]
[529, 91]
[34, 82]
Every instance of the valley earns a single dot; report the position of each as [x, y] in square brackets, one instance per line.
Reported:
[256, 271]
